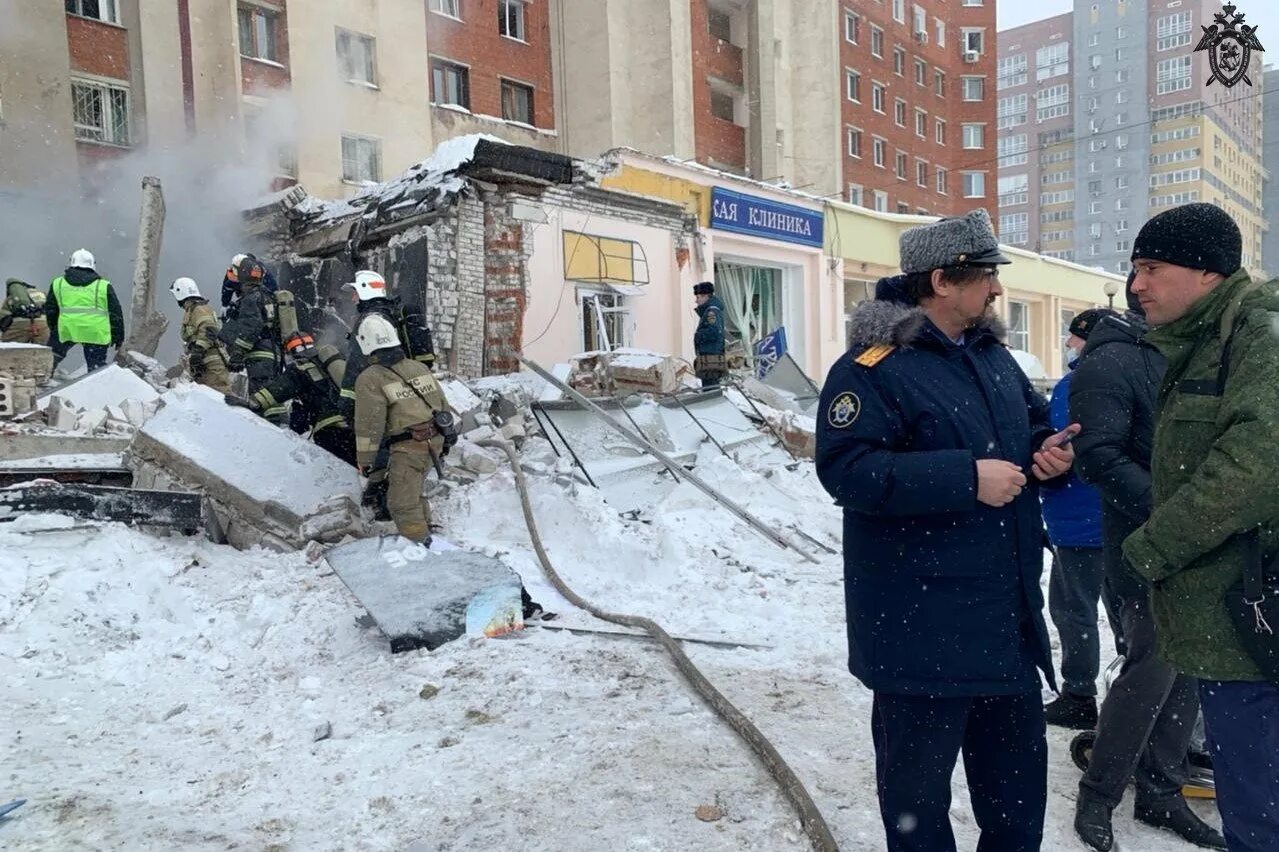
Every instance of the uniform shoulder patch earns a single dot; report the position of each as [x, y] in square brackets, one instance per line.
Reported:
[844, 410]
[874, 355]
[711, 317]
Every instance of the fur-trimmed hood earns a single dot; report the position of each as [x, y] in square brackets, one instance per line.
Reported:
[891, 319]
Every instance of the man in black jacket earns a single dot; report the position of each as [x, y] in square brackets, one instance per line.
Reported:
[1148, 715]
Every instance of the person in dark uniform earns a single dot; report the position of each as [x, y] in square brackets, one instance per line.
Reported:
[250, 333]
[373, 298]
[708, 341]
[935, 444]
[312, 380]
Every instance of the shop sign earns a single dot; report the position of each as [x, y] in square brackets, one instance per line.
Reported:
[759, 217]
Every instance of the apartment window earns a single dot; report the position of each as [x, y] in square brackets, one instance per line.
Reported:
[1123, 245]
[854, 142]
[903, 207]
[939, 132]
[1172, 75]
[1121, 32]
[939, 83]
[881, 152]
[452, 8]
[1092, 105]
[1121, 204]
[102, 10]
[921, 124]
[1121, 54]
[1094, 61]
[940, 26]
[1094, 39]
[257, 33]
[974, 88]
[974, 136]
[1094, 208]
[921, 174]
[974, 40]
[517, 103]
[856, 194]
[1063, 196]
[1013, 150]
[900, 165]
[877, 97]
[1123, 266]
[974, 184]
[1019, 326]
[450, 83]
[941, 181]
[852, 85]
[1052, 61]
[1052, 102]
[1093, 167]
[510, 19]
[1172, 31]
[1010, 71]
[356, 57]
[100, 112]
[1094, 230]
[1014, 190]
[899, 112]
[1012, 111]
[919, 24]
[899, 62]
[974, 2]
[899, 11]
[1014, 228]
[881, 201]
[361, 159]
[1094, 187]
[1121, 226]
[1121, 182]
[852, 28]
[1121, 76]
[921, 73]
[876, 41]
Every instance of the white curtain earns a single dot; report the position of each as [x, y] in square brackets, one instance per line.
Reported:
[749, 294]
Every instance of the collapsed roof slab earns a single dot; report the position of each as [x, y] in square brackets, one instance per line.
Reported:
[267, 486]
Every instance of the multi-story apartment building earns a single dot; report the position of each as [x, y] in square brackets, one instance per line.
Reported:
[1270, 163]
[1126, 124]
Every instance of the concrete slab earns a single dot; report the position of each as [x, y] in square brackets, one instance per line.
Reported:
[268, 487]
[26, 445]
[111, 385]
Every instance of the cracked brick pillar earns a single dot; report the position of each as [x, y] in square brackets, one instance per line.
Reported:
[505, 290]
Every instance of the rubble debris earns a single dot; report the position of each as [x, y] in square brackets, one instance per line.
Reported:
[111, 385]
[26, 361]
[709, 813]
[181, 708]
[172, 509]
[34, 443]
[423, 598]
[266, 486]
[322, 731]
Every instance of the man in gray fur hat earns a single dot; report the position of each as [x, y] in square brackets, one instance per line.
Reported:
[935, 444]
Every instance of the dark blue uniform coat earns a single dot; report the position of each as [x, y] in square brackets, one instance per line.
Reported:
[942, 591]
[708, 339]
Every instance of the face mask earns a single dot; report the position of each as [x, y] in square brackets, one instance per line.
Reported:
[1075, 354]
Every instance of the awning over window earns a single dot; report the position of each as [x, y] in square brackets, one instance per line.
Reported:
[620, 265]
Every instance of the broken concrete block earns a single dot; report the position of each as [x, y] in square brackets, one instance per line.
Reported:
[459, 396]
[477, 459]
[480, 433]
[136, 412]
[111, 385]
[26, 361]
[513, 429]
[8, 400]
[89, 421]
[638, 371]
[116, 412]
[266, 485]
[62, 415]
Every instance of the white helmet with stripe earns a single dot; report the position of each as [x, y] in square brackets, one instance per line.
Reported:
[83, 259]
[368, 285]
[184, 288]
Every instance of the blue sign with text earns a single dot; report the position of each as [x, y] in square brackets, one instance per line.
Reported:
[769, 351]
[759, 217]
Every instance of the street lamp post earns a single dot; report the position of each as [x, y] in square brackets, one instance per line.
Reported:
[1111, 290]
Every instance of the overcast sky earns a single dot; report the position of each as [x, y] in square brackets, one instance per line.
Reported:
[1261, 13]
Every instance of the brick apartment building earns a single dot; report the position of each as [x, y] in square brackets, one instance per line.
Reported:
[918, 105]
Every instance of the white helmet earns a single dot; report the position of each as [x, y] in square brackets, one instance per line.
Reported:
[184, 288]
[237, 260]
[374, 333]
[368, 285]
[83, 258]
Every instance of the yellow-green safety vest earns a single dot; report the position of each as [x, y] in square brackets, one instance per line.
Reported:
[82, 312]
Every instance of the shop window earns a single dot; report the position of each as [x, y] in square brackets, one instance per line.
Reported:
[752, 302]
[1019, 326]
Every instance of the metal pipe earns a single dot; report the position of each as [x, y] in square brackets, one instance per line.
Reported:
[761, 416]
[699, 423]
[567, 445]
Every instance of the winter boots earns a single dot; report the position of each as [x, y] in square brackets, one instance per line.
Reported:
[1077, 712]
[1093, 822]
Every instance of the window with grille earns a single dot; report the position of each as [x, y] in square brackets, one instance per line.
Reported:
[1052, 61]
[452, 8]
[258, 30]
[517, 102]
[1172, 75]
[361, 159]
[450, 83]
[100, 112]
[1011, 71]
[510, 19]
[356, 57]
[102, 10]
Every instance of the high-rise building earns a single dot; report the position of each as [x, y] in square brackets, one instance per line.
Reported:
[1270, 162]
[1124, 124]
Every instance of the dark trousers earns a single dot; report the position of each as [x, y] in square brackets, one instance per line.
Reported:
[261, 371]
[710, 378]
[338, 440]
[1074, 587]
[1003, 740]
[1146, 720]
[95, 355]
[1242, 721]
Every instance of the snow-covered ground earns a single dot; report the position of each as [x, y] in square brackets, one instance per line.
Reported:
[168, 693]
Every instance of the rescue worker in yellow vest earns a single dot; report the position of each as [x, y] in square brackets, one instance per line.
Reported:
[402, 424]
[312, 380]
[22, 314]
[250, 334]
[206, 360]
[82, 308]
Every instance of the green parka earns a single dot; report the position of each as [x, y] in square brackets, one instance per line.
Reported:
[1216, 474]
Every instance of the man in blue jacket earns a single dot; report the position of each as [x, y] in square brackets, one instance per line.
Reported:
[708, 340]
[1072, 515]
[934, 443]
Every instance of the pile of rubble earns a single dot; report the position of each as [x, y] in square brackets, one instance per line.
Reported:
[24, 367]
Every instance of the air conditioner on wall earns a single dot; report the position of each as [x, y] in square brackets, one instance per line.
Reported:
[921, 36]
[971, 56]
